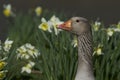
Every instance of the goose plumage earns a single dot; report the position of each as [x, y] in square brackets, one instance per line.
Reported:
[80, 27]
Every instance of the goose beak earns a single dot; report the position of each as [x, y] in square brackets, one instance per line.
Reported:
[65, 26]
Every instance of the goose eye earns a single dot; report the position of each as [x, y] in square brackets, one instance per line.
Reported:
[77, 20]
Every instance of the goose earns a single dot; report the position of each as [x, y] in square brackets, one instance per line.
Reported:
[80, 27]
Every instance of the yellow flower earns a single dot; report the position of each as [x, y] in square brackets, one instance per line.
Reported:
[2, 64]
[38, 11]
[50, 25]
[118, 25]
[96, 26]
[7, 10]
[2, 74]
[110, 32]
[75, 42]
[98, 50]
[44, 26]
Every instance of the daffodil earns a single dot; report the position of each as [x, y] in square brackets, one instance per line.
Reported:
[110, 32]
[2, 74]
[75, 42]
[115, 29]
[2, 64]
[7, 10]
[32, 50]
[7, 45]
[26, 51]
[38, 11]
[98, 50]
[22, 53]
[50, 24]
[55, 21]
[96, 26]
[27, 68]
[45, 26]
[118, 25]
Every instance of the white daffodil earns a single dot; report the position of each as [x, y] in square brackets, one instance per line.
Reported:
[32, 51]
[118, 25]
[96, 26]
[7, 45]
[7, 6]
[110, 32]
[97, 23]
[28, 67]
[26, 51]
[45, 26]
[7, 10]
[38, 11]
[75, 42]
[98, 50]
[50, 24]
[55, 21]
[115, 29]
[22, 53]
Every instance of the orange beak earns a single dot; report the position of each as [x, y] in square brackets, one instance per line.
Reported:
[65, 26]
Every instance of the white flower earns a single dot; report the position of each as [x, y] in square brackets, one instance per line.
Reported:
[110, 32]
[45, 26]
[26, 51]
[32, 51]
[75, 42]
[27, 68]
[118, 25]
[98, 50]
[115, 29]
[7, 45]
[7, 6]
[97, 23]
[50, 24]
[22, 53]
[8, 10]
[55, 21]
[96, 26]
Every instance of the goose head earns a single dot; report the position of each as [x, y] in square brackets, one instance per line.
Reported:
[76, 25]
